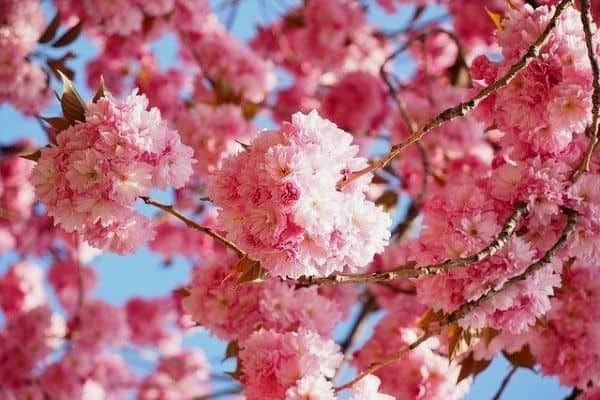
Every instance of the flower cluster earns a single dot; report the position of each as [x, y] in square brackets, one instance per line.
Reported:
[234, 312]
[421, 374]
[550, 100]
[23, 83]
[64, 277]
[149, 321]
[90, 180]
[211, 132]
[566, 345]
[237, 71]
[27, 339]
[21, 288]
[179, 376]
[279, 201]
[356, 91]
[292, 365]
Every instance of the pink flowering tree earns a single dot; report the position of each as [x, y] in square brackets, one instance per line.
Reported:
[433, 179]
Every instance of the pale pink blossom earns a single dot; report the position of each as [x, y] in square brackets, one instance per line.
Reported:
[276, 363]
[285, 209]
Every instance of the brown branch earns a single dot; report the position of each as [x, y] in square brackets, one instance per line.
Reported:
[592, 129]
[575, 393]
[410, 271]
[504, 383]
[368, 306]
[464, 107]
[533, 268]
[194, 225]
[470, 306]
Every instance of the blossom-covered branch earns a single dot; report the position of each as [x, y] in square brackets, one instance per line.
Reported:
[593, 128]
[472, 305]
[463, 108]
[411, 271]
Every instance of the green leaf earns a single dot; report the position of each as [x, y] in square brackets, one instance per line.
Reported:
[51, 30]
[69, 36]
[71, 102]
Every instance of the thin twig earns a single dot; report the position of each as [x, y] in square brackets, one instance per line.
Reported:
[415, 205]
[194, 225]
[470, 306]
[504, 383]
[387, 361]
[592, 129]
[410, 271]
[186, 39]
[367, 307]
[464, 107]
[224, 392]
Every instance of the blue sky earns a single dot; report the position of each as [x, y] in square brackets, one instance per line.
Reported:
[143, 274]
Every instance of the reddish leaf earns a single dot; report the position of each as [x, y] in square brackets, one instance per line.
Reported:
[522, 358]
[388, 200]
[429, 318]
[72, 104]
[69, 36]
[58, 65]
[101, 92]
[58, 123]
[232, 350]
[471, 367]
[32, 156]
[182, 292]
[51, 30]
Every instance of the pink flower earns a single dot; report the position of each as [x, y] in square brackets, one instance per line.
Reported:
[368, 388]
[233, 312]
[423, 373]
[64, 277]
[97, 326]
[297, 168]
[26, 340]
[211, 131]
[567, 345]
[239, 72]
[180, 376]
[90, 181]
[294, 362]
[357, 103]
[149, 321]
[21, 288]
